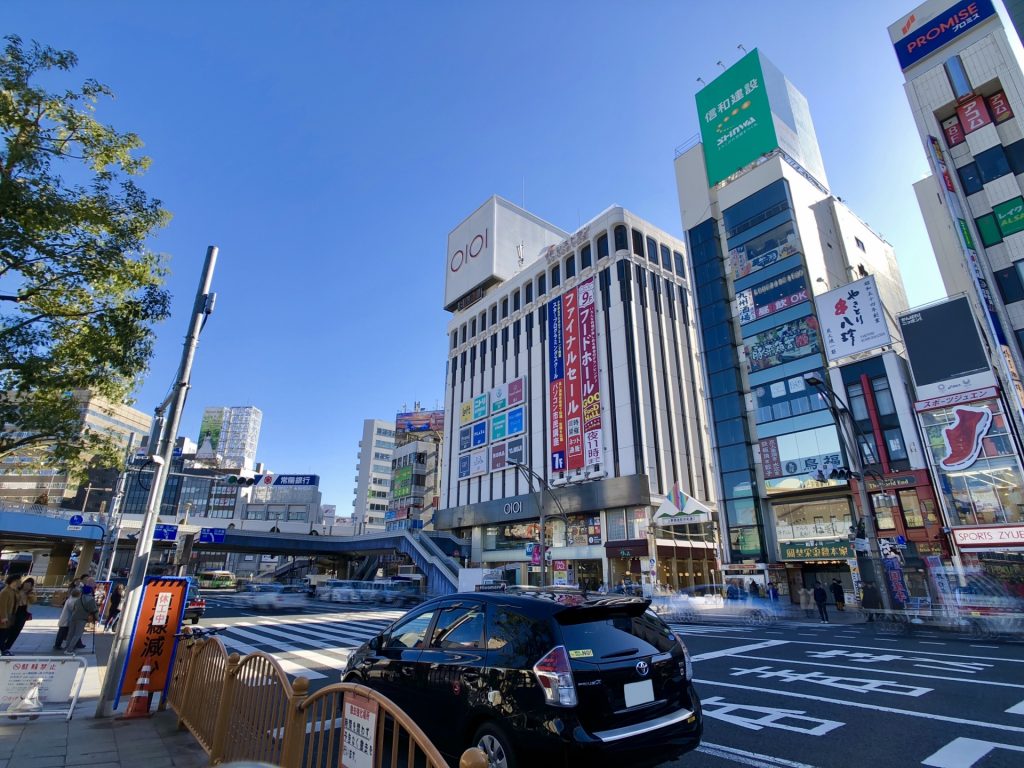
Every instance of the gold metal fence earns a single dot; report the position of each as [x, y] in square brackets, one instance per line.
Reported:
[197, 687]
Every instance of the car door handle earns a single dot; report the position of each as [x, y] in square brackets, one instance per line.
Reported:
[407, 671]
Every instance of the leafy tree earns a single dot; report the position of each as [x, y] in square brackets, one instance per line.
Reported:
[79, 290]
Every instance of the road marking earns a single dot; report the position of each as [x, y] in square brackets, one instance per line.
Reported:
[317, 658]
[924, 662]
[962, 752]
[856, 684]
[768, 717]
[1016, 709]
[926, 642]
[287, 665]
[743, 757]
[864, 705]
[984, 646]
[738, 650]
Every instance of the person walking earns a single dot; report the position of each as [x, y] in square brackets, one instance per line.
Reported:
[755, 590]
[872, 600]
[83, 611]
[114, 601]
[26, 597]
[8, 605]
[838, 594]
[65, 619]
[821, 599]
[806, 602]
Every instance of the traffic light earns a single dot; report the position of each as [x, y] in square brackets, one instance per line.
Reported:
[842, 473]
[243, 482]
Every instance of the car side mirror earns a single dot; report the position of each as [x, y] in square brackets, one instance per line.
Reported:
[375, 643]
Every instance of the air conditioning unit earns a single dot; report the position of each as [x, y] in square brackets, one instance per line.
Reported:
[559, 480]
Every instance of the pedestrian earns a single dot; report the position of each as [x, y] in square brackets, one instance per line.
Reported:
[821, 599]
[732, 592]
[26, 597]
[83, 611]
[773, 592]
[807, 602]
[114, 601]
[8, 605]
[65, 618]
[838, 594]
[872, 600]
[755, 591]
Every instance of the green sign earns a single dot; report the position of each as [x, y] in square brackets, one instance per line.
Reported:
[1010, 216]
[817, 550]
[401, 483]
[479, 406]
[966, 233]
[499, 426]
[735, 119]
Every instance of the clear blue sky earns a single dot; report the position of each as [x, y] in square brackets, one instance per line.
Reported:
[328, 148]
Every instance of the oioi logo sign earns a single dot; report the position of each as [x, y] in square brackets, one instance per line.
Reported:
[735, 119]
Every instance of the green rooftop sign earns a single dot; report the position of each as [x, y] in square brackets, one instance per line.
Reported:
[735, 119]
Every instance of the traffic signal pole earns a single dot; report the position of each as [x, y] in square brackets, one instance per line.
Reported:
[161, 447]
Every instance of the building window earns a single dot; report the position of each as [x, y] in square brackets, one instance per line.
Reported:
[1015, 156]
[992, 164]
[638, 244]
[988, 229]
[868, 449]
[504, 308]
[472, 328]
[455, 339]
[1010, 286]
[556, 278]
[885, 510]
[858, 405]
[786, 398]
[894, 445]
[677, 257]
[516, 301]
[542, 285]
[970, 179]
[494, 313]
[652, 248]
[626, 524]
[602, 246]
[462, 333]
[621, 239]
[860, 243]
[666, 257]
[570, 267]
[585, 258]
[529, 292]
[883, 396]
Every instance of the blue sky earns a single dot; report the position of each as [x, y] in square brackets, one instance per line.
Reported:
[328, 148]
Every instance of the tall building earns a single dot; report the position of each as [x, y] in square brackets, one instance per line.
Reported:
[25, 478]
[766, 236]
[416, 469]
[228, 436]
[373, 478]
[573, 355]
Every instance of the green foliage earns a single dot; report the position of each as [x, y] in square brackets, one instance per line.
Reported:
[79, 290]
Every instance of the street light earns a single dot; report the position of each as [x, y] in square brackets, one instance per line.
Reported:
[867, 517]
[530, 475]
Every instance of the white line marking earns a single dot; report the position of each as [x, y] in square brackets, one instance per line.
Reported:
[983, 646]
[794, 720]
[964, 753]
[287, 665]
[860, 705]
[316, 658]
[925, 642]
[738, 650]
[1016, 709]
[743, 757]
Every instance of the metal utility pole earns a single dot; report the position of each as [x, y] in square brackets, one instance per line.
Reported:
[161, 447]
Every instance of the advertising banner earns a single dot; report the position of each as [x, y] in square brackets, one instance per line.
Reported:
[789, 341]
[515, 421]
[480, 406]
[735, 119]
[499, 398]
[463, 466]
[499, 426]
[573, 401]
[590, 381]
[973, 114]
[816, 550]
[419, 421]
[516, 391]
[465, 438]
[515, 451]
[556, 385]
[999, 107]
[917, 41]
[852, 319]
[153, 641]
[1010, 216]
[479, 434]
[761, 252]
[954, 131]
[466, 412]
[773, 296]
[499, 453]
[989, 537]
[401, 482]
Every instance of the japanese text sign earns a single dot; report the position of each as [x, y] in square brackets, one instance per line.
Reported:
[973, 114]
[153, 639]
[358, 732]
[852, 319]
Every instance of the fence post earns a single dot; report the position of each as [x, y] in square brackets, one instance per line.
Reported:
[295, 725]
[227, 697]
[181, 696]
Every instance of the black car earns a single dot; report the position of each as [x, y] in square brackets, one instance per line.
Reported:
[552, 679]
[195, 605]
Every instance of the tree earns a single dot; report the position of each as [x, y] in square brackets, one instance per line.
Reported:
[79, 290]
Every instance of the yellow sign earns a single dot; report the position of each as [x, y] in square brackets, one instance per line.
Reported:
[584, 653]
[466, 412]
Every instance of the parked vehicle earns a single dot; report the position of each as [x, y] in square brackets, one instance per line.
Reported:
[278, 597]
[539, 678]
[324, 589]
[195, 605]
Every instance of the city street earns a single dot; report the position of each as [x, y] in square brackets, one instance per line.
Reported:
[823, 695]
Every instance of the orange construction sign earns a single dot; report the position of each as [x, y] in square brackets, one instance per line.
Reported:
[153, 640]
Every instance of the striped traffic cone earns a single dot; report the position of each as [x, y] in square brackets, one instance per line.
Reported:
[138, 705]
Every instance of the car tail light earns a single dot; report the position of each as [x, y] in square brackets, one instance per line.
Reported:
[686, 667]
[555, 677]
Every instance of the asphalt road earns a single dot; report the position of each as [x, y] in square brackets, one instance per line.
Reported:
[793, 694]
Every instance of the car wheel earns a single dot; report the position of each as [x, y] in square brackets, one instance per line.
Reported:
[495, 745]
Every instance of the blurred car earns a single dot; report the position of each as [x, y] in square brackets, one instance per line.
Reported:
[246, 595]
[277, 597]
[401, 594]
[539, 678]
[710, 603]
[195, 605]
[323, 590]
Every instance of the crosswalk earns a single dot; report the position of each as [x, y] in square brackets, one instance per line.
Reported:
[313, 647]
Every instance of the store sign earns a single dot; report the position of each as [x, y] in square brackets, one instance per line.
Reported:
[556, 385]
[590, 376]
[1010, 216]
[892, 482]
[953, 131]
[749, 258]
[478, 462]
[963, 438]
[499, 398]
[973, 114]
[515, 451]
[852, 319]
[736, 124]
[479, 434]
[465, 438]
[573, 398]
[989, 537]
[927, 38]
[499, 426]
[499, 456]
[516, 391]
[959, 398]
[772, 296]
[782, 344]
[999, 107]
[816, 550]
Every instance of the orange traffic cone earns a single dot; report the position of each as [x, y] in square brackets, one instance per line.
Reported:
[138, 705]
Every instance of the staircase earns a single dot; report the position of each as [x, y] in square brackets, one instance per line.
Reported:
[367, 569]
[441, 571]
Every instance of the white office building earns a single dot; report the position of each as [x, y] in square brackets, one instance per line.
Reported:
[373, 476]
[229, 436]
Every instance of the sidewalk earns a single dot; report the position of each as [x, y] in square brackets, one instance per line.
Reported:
[85, 741]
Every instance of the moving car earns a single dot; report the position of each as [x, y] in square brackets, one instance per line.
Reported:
[542, 678]
[277, 597]
[195, 605]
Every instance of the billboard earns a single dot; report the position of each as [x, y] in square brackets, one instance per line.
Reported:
[401, 483]
[556, 384]
[955, 364]
[735, 117]
[419, 421]
[590, 375]
[765, 249]
[915, 39]
[767, 298]
[210, 426]
[474, 409]
[573, 399]
[852, 319]
[800, 460]
[789, 341]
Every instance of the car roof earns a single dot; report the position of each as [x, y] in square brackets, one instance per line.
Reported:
[540, 602]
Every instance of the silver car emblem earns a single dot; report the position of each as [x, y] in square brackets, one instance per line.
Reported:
[642, 668]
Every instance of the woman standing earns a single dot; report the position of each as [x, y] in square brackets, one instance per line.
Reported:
[115, 607]
[26, 597]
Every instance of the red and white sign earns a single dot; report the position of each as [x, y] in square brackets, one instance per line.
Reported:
[989, 537]
[963, 438]
[999, 107]
[971, 396]
[771, 463]
[573, 399]
[973, 114]
[590, 385]
[358, 731]
[954, 131]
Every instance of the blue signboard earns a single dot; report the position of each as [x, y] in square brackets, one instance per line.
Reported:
[942, 29]
[463, 466]
[465, 438]
[479, 434]
[212, 535]
[313, 480]
[165, 532]
[75, 520]
[515, 420]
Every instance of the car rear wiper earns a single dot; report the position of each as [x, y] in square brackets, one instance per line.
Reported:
[626, 652]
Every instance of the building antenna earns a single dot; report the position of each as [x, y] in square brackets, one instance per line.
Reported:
[701, 81]
[740, 46]
[719, 63]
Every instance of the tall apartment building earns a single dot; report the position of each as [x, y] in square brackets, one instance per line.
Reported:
[574, 356]
[373, 478]
[416, 469]
[229, 436]
[766, 236]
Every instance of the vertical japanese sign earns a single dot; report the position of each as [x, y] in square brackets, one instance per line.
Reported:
[973, 114]
[556, 384]
[359, 732]
[590, 381]
[153, 640]
[852, 319]
[573, 401]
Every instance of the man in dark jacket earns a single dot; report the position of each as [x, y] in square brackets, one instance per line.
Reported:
[838, 594]
[872, 600]
[820, 599]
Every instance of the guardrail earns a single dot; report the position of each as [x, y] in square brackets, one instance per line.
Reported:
[245, 708]
[45, 511]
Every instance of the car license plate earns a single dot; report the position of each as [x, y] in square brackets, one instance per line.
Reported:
[638, 693]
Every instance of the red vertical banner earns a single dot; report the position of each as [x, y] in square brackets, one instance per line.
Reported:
[556, 385]
[999, 107]
[973, 114]
[590, 376]
[573, 399]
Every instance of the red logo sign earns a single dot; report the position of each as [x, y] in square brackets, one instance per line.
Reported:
[963, 438]
[973, 114]
[999, 107]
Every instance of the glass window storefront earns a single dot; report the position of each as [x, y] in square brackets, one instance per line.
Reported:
[825, 523]
[886, 510]
[801, 460]
[789, 397]
[626, 524]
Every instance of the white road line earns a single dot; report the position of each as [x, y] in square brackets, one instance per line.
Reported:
[287, 665]
[743, 757]
[311, 635]
[964, 753]
[330, 630]
[925, 642]
[304, 635]
[862, 705]
[970, 656]
[1016, 709]
[316, 658]
[738, 650]
[983, 646]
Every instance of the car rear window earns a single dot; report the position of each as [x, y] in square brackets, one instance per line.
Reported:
[516, 641]
[614, 634]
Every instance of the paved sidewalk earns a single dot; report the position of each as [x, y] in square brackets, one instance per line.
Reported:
[85, 741]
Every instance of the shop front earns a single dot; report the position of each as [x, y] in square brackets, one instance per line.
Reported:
[815, 544]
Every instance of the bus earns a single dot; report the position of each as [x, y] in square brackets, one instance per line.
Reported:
[216, 580]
